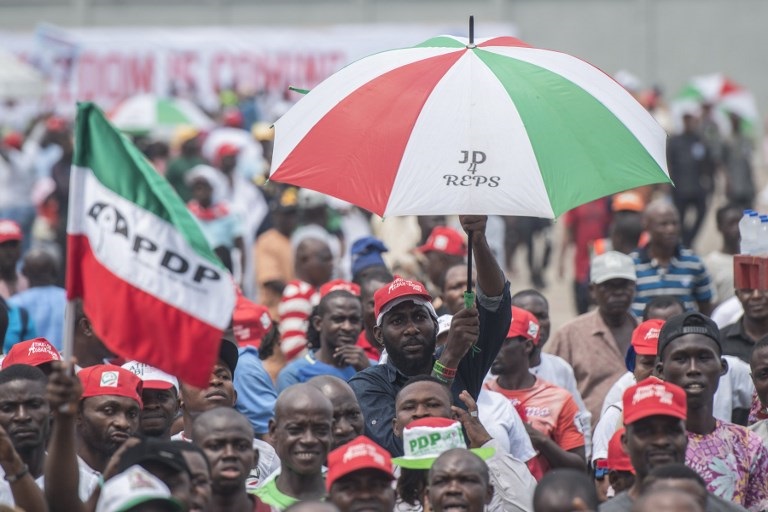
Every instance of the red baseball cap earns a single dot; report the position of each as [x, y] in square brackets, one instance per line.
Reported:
[618, 460]
[398, 291]
[360, 453]
[107, 379]
[31, 352]
[10, 231]
[645, 337]
[524, 324]
[654, 397]
[14, 140]
[446, 240]
[250, 322]
[226, 150]
[339, 285]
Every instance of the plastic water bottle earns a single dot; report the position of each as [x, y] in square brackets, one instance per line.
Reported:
[761, 241]
[749, 225]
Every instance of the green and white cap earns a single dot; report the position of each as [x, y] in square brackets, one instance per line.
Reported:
[134, 486]
[425, 439]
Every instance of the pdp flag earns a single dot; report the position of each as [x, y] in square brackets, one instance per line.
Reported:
[151, 286]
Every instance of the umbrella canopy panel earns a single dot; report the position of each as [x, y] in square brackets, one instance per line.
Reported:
[18, 79]
[501, 128]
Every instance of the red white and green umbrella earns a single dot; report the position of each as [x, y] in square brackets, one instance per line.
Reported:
[147, 113]
[725, 94]
[448, 126]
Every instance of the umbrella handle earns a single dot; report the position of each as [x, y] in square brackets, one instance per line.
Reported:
[469, 295]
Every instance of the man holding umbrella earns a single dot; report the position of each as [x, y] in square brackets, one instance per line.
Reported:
[406, 324]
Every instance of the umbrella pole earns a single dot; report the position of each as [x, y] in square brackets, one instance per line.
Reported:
[469, 295]
[471, 32]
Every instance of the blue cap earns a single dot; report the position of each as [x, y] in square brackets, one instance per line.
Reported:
[366, 252]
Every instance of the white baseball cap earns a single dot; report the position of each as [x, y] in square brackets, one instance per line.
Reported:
[131, 488]
[612, 265]
[152, 377]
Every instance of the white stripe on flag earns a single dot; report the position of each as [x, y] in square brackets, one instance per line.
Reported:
[149, 252]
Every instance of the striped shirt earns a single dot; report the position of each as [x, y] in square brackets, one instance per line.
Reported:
[685, 278]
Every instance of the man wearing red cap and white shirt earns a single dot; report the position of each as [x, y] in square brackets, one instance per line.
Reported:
[645, 340]
[94, 413]
[160, 396]
[11, 281]
[551, 410]
[406, 324]
[360, 477]
[37, 352]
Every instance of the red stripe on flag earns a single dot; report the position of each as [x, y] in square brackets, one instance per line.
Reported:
[135, 324]
[355, 150]
[504, 41]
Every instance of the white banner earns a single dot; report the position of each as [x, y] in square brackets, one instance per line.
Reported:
[107, 65]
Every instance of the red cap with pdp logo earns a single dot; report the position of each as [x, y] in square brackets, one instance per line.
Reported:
[360, 453]
[645, 337]
[107, 379]
[398, 291]
[31, 352]
[250, 322]
[339, 285]
[10, 231]
[654, 397]
[446, 240]
[524, 324]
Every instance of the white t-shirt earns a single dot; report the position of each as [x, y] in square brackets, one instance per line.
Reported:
[728, 312]
[6, 496]
[504, 424]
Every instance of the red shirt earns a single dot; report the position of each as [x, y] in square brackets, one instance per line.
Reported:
[587, 223]
[549, 409]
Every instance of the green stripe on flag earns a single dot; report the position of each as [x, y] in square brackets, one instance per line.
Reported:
[441, 42]
[122, 168]
[575, 138]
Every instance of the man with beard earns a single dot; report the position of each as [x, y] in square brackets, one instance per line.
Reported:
[221, 393]
[459, 479]
[338, 322]
[406, 324]
[348, 421]
[226, 437]
[25, 425]
[94, 413]
[360, 477]
[160, 395]
[731, 459]
[595, 343]
[301, 432]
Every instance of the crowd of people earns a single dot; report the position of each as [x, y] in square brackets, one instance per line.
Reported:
[356, 376]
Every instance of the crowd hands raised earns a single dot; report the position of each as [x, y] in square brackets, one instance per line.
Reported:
[358, 379]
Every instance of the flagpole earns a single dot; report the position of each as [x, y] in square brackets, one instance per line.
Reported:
[68, 344]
